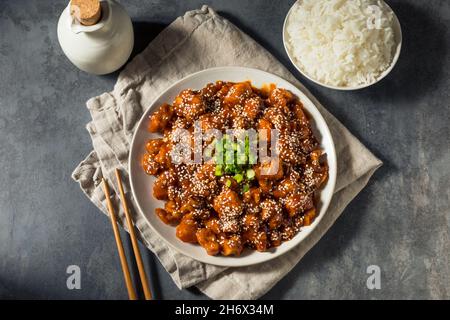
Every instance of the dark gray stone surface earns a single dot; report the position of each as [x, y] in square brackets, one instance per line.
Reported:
[400, 222]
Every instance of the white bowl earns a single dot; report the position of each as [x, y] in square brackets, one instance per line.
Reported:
[397, 49]
[142, 184]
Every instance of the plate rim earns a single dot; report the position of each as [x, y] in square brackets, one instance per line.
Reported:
[235, 262]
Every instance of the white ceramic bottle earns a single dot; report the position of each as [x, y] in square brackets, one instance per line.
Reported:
[100, 48]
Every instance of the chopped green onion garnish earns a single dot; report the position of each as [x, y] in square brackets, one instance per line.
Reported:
[218, 171]
[228, 183]
[241, 159]
[229, 168]
[245, 188]
[234, 157]
[228, 144]
[250, 174]
[218, 154]
[238, 177]
[229, 157]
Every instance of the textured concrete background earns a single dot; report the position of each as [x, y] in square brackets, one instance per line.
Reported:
[400, 222]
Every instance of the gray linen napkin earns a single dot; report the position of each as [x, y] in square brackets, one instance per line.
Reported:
[202, 39]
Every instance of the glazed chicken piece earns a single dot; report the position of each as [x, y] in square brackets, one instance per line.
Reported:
[153, 145]
[213, 225]
[166, 216]
[204, 181]
[315, 173]
[173, 212]
[275, 238]
[163, 156]
[251, 200]
[149, 164]
[229, 207]
[299, 113]
[297, 203]
[190, 105]
[208, 240]
[270, 170]
[285, 187]
[280, 97]
[309, 216]
[228, 204]
[160, 119]
[280, 117]
[265, 185]
[256, 239]
[252, 107]
[253, 196]
[251, 221]
[271, 212]
[162, 185]
[232, 245]
[238, 93]
[186, 230]
[209, 92]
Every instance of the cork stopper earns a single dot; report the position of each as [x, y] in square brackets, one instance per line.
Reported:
[87, 12]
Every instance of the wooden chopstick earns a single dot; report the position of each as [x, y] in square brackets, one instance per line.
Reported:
[137, 253]
[123, 259]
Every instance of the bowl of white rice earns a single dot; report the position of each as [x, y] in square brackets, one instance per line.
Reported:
[342, 44]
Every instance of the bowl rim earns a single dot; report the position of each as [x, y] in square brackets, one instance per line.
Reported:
[398, 49]
[237, 262]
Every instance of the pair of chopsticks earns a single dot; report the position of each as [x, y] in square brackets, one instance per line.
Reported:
[123, 260]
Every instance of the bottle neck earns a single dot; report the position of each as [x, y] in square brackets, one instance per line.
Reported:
[86, 12]
[101, 28]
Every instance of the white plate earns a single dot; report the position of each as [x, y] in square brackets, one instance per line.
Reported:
[142, 184]
[397, 49]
